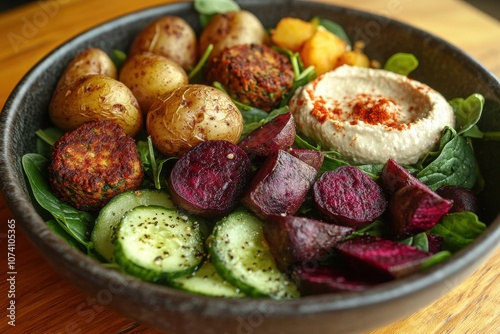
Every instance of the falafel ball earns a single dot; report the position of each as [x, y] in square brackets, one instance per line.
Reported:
[253, 74]
[93, 163]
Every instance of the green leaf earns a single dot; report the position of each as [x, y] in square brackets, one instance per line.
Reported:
[254, 118]
[468, 112]
[76, 223]
[419, 241]
[455, 165]
[458, 230]
[435, 259]
[118, 57]
[61, 232]
[401, 63]
[209, 8]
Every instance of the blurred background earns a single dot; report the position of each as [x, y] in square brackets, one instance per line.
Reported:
[491, 7]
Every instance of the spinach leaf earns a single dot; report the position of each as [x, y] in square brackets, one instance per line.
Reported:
[458, 230]
[119, 58]
[419, 241]
[468, 112]
[435, 259]
[455, 165]
[332, 160]
[254, 118]
[401, 63]
[153, 161]
[61, 232]
[46, 138]
[208, 8]
[76, 223]
[302, 75]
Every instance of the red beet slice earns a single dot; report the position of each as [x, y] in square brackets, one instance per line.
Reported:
[347, 196]
[210, 179]
[299, 239]
[414, 209]
[277, 134]
[380, 258]
[313, 158]
[435, 243]
[322, 279]
[394, 176]
[463, 198]
[280, 185]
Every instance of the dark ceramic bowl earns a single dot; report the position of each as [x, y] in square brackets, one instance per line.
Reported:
[442, 66]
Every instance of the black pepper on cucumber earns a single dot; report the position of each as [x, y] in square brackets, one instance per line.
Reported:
[103, 234]
[157, 244]
[241, 256]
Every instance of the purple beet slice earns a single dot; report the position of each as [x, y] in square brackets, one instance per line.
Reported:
[277, 134]
[321, 279]
[394, 176]
[414, 209]
[210, 179]
[380, 258]
[435, 243]
[463, 199]
[313, 158]
[347, 196]
[295, 239]
[280, 185]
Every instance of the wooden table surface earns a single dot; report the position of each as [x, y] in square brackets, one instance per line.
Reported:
[45, 303]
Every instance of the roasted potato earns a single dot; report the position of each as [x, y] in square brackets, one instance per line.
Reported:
[92, 98]
[190, 115]
[232, 28]
[149, 75]
[89, 61]
[291, 33]
[171, 37]
[322, 50]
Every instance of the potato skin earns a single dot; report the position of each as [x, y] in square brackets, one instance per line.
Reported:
[171, 37]
[92, 98]
[149, 75]
[89, 61]
[190, 115]
[230, 29]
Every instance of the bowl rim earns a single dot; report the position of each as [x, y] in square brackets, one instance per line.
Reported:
[38, 233]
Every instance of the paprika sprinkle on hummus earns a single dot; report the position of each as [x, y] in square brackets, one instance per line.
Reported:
[371, 115]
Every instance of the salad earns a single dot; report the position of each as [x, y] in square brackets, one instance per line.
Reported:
[255, 209]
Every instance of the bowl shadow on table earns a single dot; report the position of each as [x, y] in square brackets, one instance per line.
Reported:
[442, 66]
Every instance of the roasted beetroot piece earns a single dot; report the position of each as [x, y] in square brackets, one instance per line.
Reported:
[347, 196]
[210, 179]
[277, 134]
[380, 258]
[321, 279]
[280, 185]
[435, 243]
[299, 239]
[394, 176]
[414, 209]
[463, 198]
[313, 158]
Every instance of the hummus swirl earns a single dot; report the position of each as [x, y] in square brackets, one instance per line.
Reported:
[371, 115]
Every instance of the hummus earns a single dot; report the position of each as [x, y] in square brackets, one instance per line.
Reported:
[371, 115]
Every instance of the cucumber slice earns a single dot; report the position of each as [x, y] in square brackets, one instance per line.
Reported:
[241, 255]
[103, 234]
[156, 244]
[206, 281]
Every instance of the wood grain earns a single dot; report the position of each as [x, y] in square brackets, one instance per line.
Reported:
[47, 304]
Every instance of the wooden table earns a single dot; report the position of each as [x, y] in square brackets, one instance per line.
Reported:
[47, 304]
